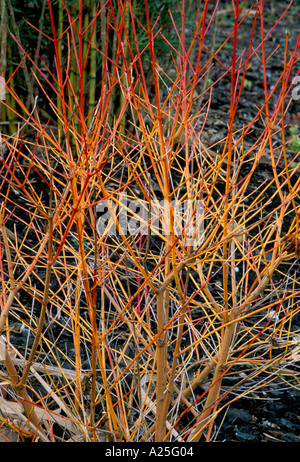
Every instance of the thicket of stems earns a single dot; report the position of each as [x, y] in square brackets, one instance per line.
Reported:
[153, 320]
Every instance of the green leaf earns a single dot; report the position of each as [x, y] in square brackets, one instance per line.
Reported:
[295, 144]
